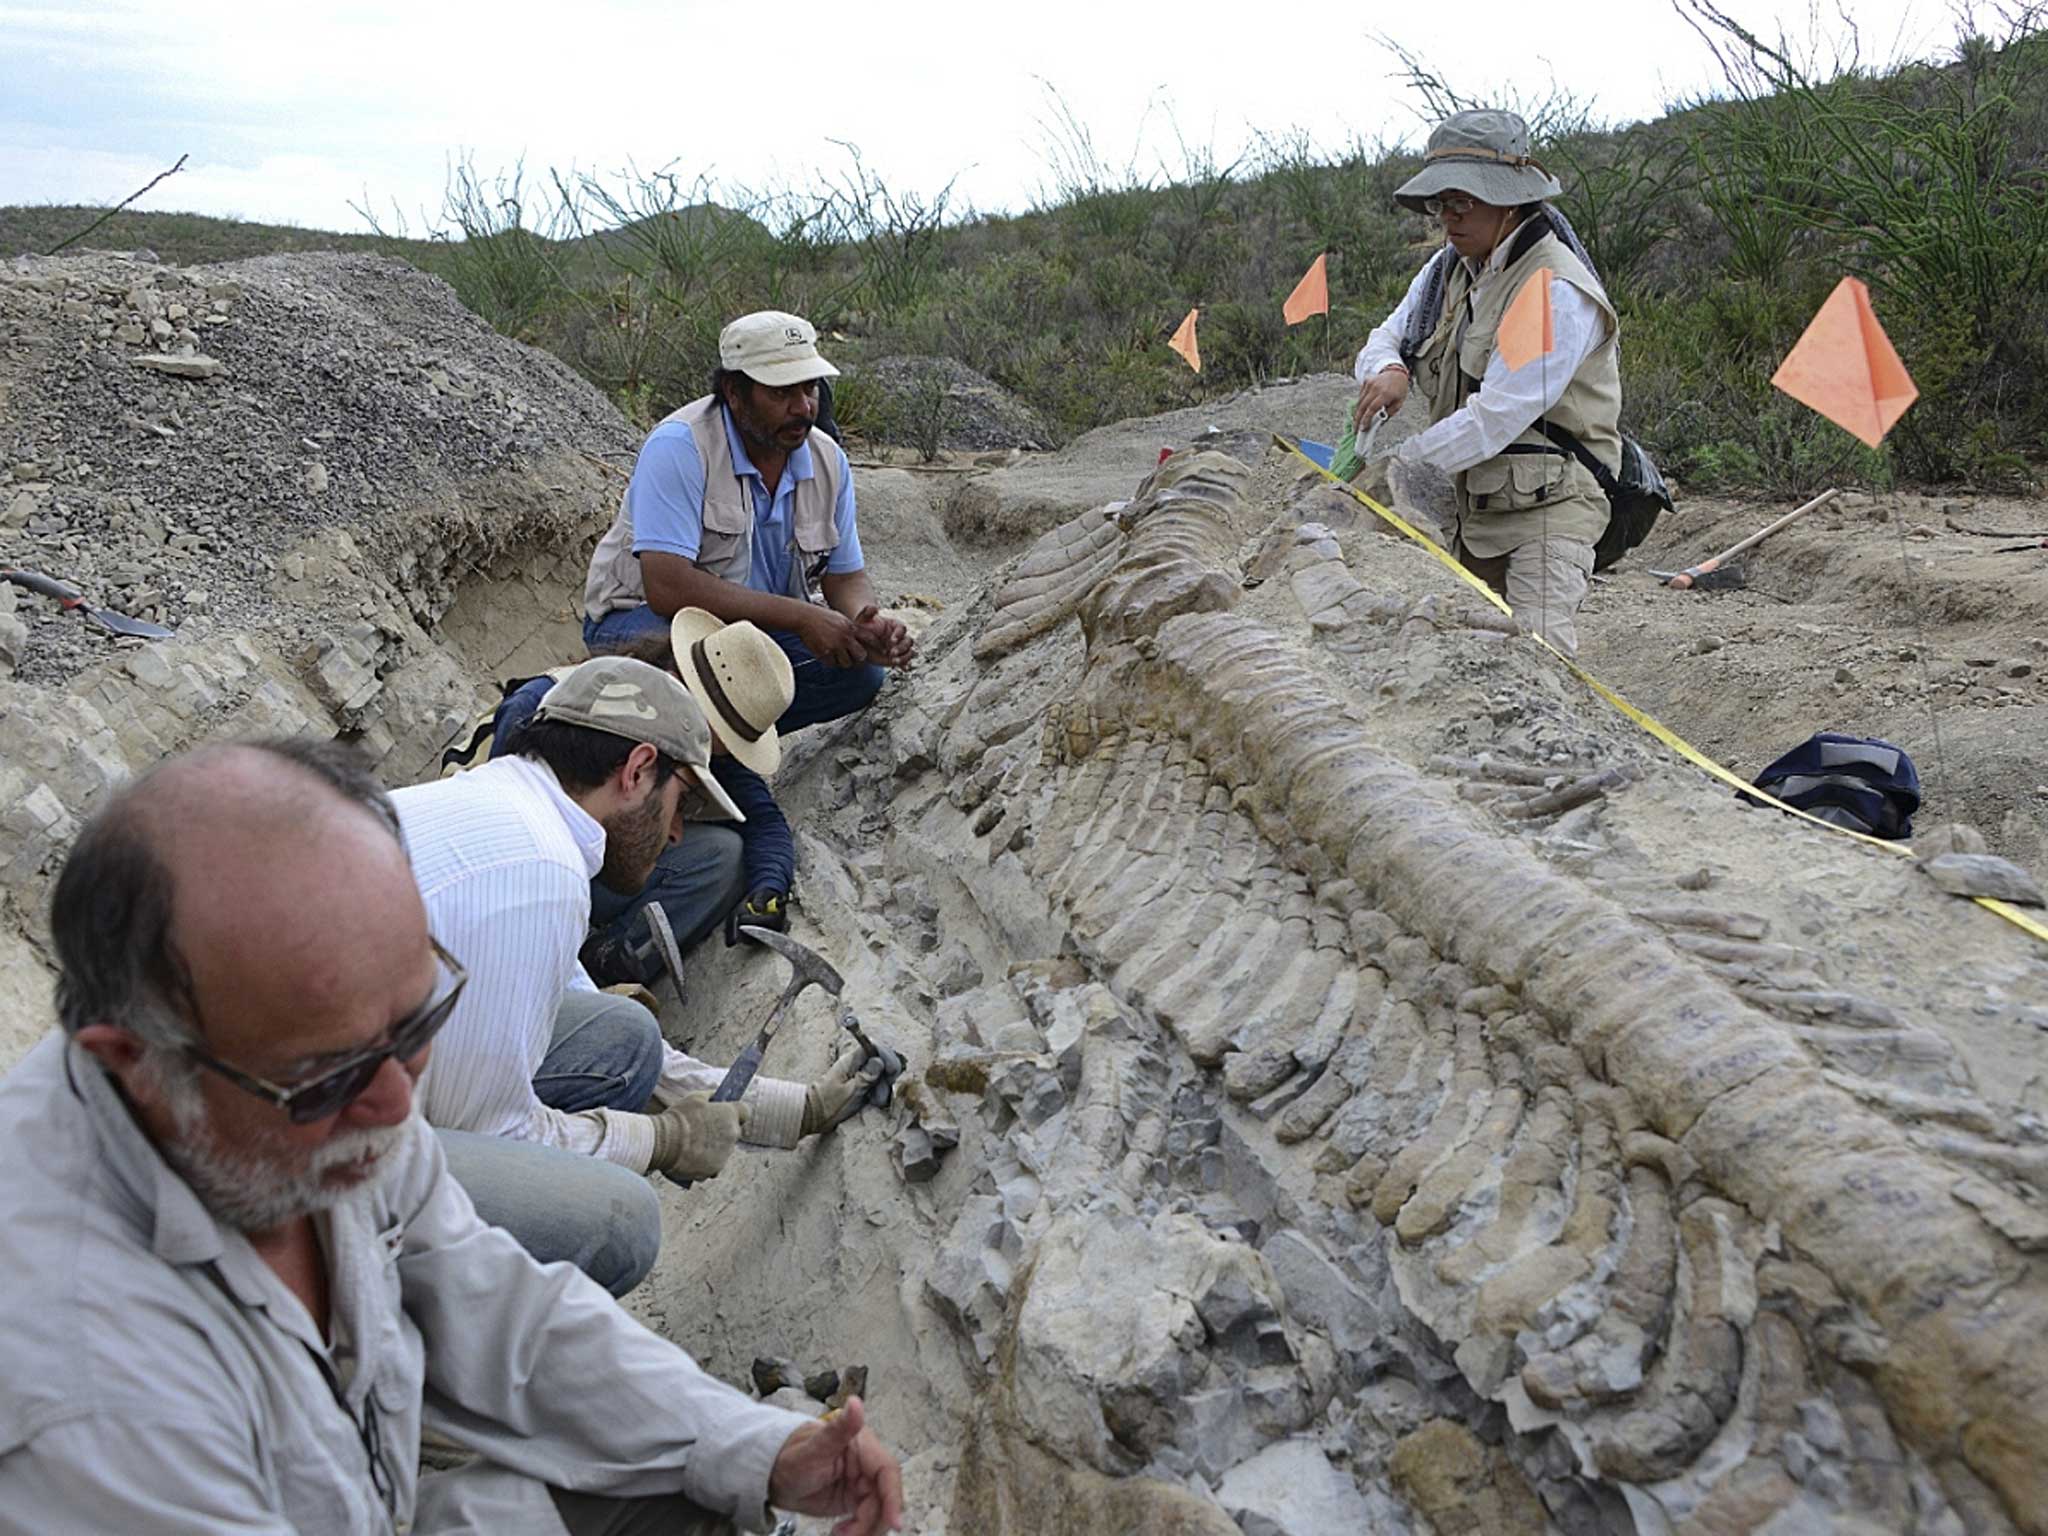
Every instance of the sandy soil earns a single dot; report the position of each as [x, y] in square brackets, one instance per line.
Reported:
[1873, 616]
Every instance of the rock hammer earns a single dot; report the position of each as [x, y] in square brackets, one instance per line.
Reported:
[807, 968]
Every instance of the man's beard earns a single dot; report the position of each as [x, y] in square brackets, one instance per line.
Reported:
[756, 433]
[242, 1186]
[633, 840]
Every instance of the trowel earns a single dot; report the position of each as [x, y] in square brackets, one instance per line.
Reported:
[72, 599]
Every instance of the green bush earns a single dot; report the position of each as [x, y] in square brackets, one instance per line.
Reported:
[1718, 229]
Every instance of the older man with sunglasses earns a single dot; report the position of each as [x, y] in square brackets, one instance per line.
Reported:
[236, 1277]
[1514, 440]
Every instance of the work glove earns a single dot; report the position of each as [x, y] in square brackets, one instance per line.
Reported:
[693, 1136]
[839, 1094]
[764, 908]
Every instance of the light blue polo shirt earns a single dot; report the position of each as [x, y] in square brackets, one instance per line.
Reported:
[666, 502]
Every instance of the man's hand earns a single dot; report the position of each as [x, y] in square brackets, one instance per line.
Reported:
[763, 908]
[1386, 391]
[887, 641]
[839, 1094]
[693, 1136]
[831, 636]
[837, 1467]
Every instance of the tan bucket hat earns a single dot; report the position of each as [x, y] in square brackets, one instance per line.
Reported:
[1484, 155]
[773, 348]
[624, 697]
[740, 678]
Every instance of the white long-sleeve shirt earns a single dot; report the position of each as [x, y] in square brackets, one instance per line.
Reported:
[504, 858]
[1510, 401]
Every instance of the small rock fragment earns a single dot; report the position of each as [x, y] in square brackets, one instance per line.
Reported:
[822, 1384]
[1983, 874]
[197, 366]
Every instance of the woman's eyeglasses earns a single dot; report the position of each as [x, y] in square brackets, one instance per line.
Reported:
[1456, 207]
[333, 1090]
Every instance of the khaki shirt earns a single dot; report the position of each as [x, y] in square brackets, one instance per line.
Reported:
[156, 1376]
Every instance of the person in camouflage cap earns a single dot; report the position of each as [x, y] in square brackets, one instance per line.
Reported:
[554, 1099]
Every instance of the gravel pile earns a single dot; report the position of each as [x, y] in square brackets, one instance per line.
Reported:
[168, 435]
[945, 403]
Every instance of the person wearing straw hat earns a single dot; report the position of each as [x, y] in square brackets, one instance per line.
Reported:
[719, 871]
[1528, 511]
[538, 1081]
[741, 506]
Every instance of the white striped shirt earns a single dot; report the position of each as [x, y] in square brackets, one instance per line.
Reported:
[504, 858]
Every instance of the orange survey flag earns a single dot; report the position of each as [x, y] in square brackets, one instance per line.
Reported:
[1311, 295]
[1527, 330]
[1846, 368]
[1183, 341]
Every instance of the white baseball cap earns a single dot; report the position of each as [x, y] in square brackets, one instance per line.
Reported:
[773, 348]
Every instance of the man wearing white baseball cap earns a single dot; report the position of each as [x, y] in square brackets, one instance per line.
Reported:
[538, 1082]
[742, 507]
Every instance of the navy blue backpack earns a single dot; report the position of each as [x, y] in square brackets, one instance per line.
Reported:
[1858, 782]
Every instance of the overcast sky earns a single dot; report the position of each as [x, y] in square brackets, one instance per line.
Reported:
[290, 111]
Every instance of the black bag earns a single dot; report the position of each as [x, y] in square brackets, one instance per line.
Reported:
[1634, 497]
[1857, 782]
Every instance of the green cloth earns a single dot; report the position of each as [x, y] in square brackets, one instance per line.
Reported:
[1344, 462]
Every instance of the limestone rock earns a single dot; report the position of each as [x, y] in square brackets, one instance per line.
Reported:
[196, 366]
[1463, 1487]
[1983, 874]
[1292, 1489]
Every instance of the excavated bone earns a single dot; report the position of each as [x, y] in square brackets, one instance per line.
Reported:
[1445, 1188]
[1471, 1089]
[1729, 925]
[1693, 1388]
[1752, 1494]
[1499, 769]
[1704, 1070]
[1530, 1191]
[1509, 1300]
[1566, 796]
[1608, 1362]
[1844, 1006]
[1050, 581]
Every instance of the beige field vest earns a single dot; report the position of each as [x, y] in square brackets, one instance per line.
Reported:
[1533, 488]
[726, 548]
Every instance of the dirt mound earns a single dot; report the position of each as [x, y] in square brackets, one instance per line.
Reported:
[1023, 500]
[1873, 616]
[935, 402]
[171, 435]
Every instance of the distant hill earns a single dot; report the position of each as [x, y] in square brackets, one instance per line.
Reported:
[184, 239]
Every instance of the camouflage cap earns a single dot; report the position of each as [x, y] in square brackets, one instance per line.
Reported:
[624, 697]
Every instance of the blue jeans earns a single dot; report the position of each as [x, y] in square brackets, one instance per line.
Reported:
[606, 1053]
[822, 692]
[697, 882]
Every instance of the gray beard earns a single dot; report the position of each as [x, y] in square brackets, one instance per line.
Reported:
[242, 1188]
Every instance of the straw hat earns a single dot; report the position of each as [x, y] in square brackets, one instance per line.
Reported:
[1484, 155]
[740, 678]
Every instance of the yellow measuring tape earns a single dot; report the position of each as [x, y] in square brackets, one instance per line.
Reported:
[1655, 727]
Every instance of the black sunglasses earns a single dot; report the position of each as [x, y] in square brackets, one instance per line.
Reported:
[332, 1091]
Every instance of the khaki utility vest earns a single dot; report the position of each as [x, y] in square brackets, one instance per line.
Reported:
[1533, 488]
[726, 548]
